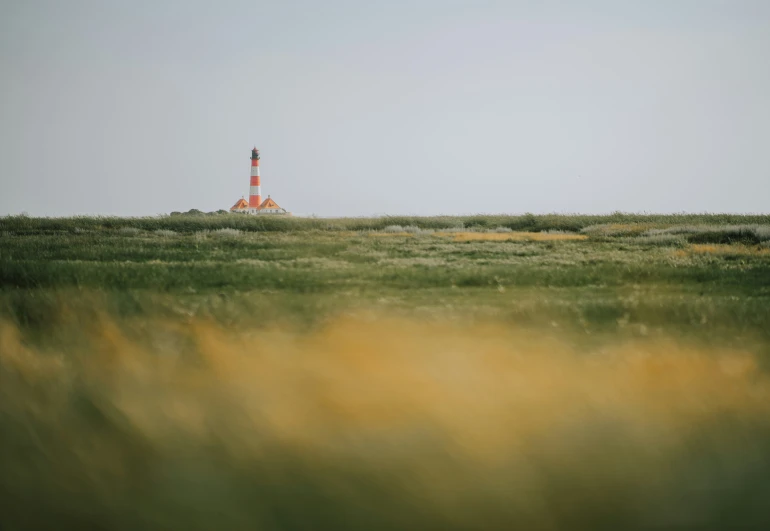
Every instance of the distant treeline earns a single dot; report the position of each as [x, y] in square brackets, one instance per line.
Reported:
[195, 220]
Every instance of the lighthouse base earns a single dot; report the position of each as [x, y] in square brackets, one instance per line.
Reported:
[267, 212]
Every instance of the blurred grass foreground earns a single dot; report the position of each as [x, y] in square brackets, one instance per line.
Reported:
[422, 374]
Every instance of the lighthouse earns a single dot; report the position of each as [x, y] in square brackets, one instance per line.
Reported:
[255, 191]
[255, 205]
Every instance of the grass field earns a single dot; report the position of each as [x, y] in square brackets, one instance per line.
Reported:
[486, 372]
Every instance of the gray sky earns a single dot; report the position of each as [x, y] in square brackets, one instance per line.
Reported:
[392, 107]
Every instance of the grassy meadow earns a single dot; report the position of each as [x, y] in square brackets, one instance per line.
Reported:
[484, 372]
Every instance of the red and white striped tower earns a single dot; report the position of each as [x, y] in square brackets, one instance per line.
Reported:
[255, 192]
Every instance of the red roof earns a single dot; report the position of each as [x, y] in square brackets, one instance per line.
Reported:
[240, 205]
[269, 203]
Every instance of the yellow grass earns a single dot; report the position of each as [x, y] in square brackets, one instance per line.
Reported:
[722, 249]
[510, 236]
[490, 388]
[436, 408]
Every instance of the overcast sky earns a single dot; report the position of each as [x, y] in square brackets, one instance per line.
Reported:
[359, 107]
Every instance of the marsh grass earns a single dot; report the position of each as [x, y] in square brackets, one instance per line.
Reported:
[663, 239]
[724, 249]
[386, 234]
[226, 233]
[616, 224]
[514, 236]
[409, 229]
[394, 229]
[619, 229]
[485, 372]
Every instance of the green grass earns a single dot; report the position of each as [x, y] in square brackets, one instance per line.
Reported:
[489, 277]
[235, 372]
[524, 222]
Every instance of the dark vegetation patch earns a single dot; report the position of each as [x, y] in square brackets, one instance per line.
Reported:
[740, 236]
